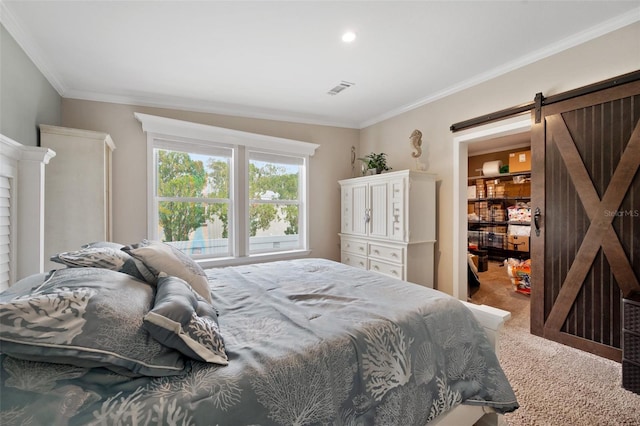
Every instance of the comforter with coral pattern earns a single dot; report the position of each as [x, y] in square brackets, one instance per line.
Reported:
[309, 342]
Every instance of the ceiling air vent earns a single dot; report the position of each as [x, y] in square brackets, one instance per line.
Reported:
[340, 87]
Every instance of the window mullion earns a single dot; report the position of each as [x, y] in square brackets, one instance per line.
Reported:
[242, 209]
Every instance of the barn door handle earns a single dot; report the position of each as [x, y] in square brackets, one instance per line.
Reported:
[536, 220]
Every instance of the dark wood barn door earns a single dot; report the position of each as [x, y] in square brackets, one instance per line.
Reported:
[585, 157]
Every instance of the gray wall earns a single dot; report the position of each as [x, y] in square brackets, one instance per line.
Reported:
[26, 97]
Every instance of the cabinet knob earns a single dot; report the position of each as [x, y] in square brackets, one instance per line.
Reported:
[394, 254]
[376, 267]
[376, 251]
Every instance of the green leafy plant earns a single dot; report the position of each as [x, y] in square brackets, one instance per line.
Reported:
[376, 161]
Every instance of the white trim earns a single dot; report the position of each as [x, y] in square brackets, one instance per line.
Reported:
[196, 105]
[78, 133]
[512, 126]
[167, 133]
[162, 126]
[24, 166]
[41, 61]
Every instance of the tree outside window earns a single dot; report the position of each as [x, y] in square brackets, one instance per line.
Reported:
[193, 192]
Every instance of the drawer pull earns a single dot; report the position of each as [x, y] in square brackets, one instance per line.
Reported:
[361, 248]
[376, 251]
[361, 263]
[376, 267]
[394, 254]
[394, 272]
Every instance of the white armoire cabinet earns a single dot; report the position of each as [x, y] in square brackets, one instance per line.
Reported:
[388, 224]
[77, 189]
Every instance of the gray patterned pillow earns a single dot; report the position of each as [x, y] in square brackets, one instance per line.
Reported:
[97, 257]
[183, 320]
[88, 317]
[107, 256]
[109, 244]
[162, 257]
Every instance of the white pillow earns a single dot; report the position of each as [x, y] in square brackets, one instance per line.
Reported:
[161, 257]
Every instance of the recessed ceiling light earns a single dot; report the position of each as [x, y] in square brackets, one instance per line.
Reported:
[348, 37]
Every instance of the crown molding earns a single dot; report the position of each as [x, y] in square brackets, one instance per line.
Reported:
[193, 105]
[40, 60]
[601, 29]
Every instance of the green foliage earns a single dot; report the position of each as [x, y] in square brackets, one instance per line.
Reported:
[282, 186]
[219, 188]
[179, 176]
[376, 161]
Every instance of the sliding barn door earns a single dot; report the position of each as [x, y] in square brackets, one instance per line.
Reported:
[586, 155]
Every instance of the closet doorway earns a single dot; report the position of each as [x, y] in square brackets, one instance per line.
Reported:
[499, 224]
[510, 134]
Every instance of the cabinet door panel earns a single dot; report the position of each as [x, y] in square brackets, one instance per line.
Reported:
[346, 210]
[397, 210]
[379, 202]
[359, 209]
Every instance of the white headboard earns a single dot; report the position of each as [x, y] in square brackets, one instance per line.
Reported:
[21, 210]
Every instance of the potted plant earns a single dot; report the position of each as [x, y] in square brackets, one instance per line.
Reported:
[376, 161]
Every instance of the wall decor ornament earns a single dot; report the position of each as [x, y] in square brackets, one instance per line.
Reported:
[416, 142]
[353, 161]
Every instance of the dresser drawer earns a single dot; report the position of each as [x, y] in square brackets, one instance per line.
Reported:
[353, 260]
[354, 246]
[387, 253]
[389, 269]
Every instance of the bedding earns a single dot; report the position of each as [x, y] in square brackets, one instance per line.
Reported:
[308, 341]
[105, 255]
[86, 317]
[160, 257]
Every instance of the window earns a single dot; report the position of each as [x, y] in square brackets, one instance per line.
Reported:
[274, 202]
[224, 195]
[192, 198]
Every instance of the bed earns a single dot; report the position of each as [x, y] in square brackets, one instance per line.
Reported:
[140, 334]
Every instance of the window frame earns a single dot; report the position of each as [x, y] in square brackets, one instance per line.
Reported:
[302, 201]
[167, 133]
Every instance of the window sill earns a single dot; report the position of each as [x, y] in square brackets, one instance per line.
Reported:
[255, 258]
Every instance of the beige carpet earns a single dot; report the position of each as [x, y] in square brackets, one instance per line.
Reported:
[555, 384]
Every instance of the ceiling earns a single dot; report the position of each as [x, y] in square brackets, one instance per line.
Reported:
[278, 60]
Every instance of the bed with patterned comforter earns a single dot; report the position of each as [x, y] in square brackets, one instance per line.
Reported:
[287, 343]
